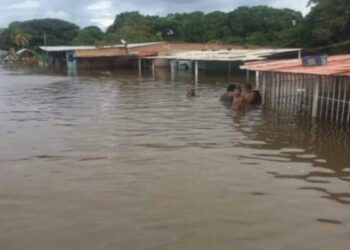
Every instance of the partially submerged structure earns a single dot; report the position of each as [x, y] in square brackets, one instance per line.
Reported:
[317, 91]
[25, 55]
[201, 59]
[3, 55]
[151, 55]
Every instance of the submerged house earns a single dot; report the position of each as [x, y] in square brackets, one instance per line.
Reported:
[319, 91]
[3, 55]
[192, 57]
[60, 56]
[25, 55]
[114, 56]
[75, 57]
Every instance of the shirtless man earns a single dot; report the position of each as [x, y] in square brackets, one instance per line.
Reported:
[238, 99]
[227, 98]
[249, 94]
[251, 97]
[191, 93]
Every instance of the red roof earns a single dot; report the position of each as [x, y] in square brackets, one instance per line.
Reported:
[146, 53]
[337, 65]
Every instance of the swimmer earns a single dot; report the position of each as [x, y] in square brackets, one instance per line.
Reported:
[251, 97]
[191, 93]
[248, 94]
[227, 98]
[238, 99]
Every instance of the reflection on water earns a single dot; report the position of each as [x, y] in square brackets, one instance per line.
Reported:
[112, 161]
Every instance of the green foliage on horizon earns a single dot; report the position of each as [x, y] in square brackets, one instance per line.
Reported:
[58, 32]
[259, 25]
[327, 23]
[90, 35]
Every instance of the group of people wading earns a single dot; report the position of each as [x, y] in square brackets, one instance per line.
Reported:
[236, 98]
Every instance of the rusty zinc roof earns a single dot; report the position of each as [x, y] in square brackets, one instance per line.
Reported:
[227, 55]
[101, 52]
[337, 65]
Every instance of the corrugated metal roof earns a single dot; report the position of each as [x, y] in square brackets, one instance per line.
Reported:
[227, 55]
[101, 52]
[337, 65]
[21, 51]
[65, 48]
[75, 48]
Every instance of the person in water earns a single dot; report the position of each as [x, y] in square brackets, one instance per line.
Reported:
[191, 93]
[227, 98]
[251, 97]
[238, 99]
[248, 94]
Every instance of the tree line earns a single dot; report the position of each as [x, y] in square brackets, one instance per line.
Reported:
[327, 23]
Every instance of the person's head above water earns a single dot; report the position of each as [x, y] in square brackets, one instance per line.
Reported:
[231, 87]
[248, 87]
[191, 93]
[237, 91]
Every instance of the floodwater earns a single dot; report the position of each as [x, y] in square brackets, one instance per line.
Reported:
[111, 161]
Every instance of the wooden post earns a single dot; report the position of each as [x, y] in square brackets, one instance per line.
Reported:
[339, 98]
[229, 71]
[140, 67]
[257, 79]
[196, 71]
[172, 69]
[277, 88]
[315, 99]
[273, 89]
[299, 54]
[153, 68]
[264, 76]
[248, 76]
[344, 101]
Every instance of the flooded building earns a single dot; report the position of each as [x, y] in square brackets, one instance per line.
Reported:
[114, 57]
[319, 91]
[60, 56]
[122, 55]
[3, 55]
[25, 56]
[191, 57]
[229, 59]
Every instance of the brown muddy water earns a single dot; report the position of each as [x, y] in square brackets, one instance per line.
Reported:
[109, 162]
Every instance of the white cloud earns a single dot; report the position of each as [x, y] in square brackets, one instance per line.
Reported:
[101, 13]
[26, 5]
[100, 6]
[58, 14]
[300, 5]
[103, 22]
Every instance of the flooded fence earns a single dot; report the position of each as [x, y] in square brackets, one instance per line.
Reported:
[321, 92]
[325, 97]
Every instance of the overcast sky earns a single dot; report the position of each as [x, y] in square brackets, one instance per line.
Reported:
[102, 12]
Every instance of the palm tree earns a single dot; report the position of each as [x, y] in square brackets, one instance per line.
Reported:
[22, 39]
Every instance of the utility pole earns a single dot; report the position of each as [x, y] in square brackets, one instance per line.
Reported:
[45, 40]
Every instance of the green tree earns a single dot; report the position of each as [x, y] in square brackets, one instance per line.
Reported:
[58, 32]
[262, 25]
[217, 28]
[22, 39]
[125, 18]
[192, 27]
[90, 35]
[134, 27]
[133, 33]
[328, 21]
